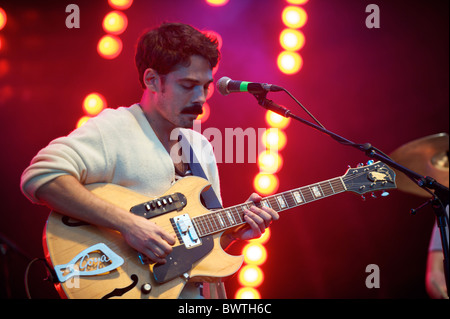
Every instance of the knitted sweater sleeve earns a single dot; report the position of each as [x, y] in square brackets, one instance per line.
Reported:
[81, 154]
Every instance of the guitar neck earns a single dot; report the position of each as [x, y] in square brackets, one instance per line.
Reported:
[230, 217]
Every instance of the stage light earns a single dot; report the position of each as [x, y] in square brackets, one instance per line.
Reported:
[289, 62]
[298, 2]
[274, 139]
[265, 184]
[109, 47]
[264, 238]
[82, 120]
[120, 4]
[205, 115]
[3, 18]
[94, 103]
[254, 254]
[270, 162]
[294, 17]
[115, 22]
[292, 40]
[247, 293]
[250, 276]
[276, 120]
[217, 3]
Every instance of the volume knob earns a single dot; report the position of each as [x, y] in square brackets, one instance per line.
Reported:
[146, 288]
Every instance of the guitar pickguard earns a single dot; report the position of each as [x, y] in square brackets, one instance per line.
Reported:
[181, 260]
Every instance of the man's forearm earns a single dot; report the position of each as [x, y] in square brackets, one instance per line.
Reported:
[69, 197]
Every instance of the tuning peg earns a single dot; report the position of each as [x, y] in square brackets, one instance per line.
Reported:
[363, 198]
[384, 194]
[370, 162]
[373, 195]
[360, 165]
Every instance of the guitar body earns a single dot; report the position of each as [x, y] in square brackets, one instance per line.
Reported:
[96, 251]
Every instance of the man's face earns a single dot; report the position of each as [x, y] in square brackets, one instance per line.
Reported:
[183, 92]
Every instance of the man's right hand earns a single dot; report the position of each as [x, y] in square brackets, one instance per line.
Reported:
[148, 238]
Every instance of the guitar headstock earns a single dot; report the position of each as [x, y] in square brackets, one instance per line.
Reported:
[369, 178]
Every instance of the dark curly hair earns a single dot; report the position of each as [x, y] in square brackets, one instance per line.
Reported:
[171, 44]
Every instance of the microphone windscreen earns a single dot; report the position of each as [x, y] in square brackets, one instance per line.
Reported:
[222, 84]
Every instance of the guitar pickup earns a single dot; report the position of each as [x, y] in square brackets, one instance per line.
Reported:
[160, 206]
[186, 230]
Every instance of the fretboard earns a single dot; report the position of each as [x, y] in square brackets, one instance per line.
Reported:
[230, 217]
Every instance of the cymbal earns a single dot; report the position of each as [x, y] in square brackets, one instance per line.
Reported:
[427, 156]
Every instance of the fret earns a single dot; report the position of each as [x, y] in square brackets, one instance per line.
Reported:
[331, 186]
[281, 202]
[208, 221]
[265, 202]
[198, 224]
[239, 213]
[298, 197]
[340, 186]
[307, 195]
[205, 225]
[326, 191]
[215, 226]
[273, 202]
[289, 199]
[230, 217]
[225, 219]
[221, 220]
[316, 191]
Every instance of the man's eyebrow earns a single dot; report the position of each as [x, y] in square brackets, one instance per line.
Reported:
[195, 81]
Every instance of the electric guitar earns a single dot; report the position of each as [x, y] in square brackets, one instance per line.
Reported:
[95, 262]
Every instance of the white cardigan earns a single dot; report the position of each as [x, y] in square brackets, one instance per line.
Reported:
[117, 146]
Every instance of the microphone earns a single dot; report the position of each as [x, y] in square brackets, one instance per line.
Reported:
[226, 86]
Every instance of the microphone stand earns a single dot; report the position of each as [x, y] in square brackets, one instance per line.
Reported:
[441, 193]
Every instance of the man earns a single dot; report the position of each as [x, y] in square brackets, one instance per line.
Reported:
[435, 274]
[132, 147]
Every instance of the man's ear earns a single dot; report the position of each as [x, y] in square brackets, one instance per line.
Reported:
[152, 80]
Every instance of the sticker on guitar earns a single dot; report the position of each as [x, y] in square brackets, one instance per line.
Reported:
[94, 260]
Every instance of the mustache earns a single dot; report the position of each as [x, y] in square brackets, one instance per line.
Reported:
[193, 109]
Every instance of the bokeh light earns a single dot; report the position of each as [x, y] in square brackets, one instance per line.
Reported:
[109, 47]
[292, 40]
[254, 254]
[250, 276]
[289, 62]
[276, 120]
[217, 3]
[82, 120]
[115, 22]
[274, 139]
[270, 162]
[294, 17]
[265, 184]
[3, 18]
[247, 293]
[120, 4]
[94, 103]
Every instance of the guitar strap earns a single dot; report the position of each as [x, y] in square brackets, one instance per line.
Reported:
[214, 289]
[209, 197]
